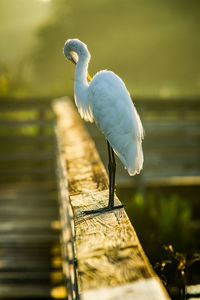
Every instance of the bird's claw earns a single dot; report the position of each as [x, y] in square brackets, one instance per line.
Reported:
[102, 210]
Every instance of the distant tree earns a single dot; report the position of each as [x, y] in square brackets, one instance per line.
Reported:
[153, 46]
[47, 55]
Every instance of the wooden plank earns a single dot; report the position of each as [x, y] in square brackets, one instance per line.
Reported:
[26, 148]
[22, 123]
[164, 157]
[162, 105]
[158, 140]
[174, 181]
[100, 251]
[27, 172]
[27, 139]
[164, 174]
[167, 153]
[175, 125]
[156, 136]
[26, 225]
[25, 276]
[22, 197]
[16, 291]
[23, 263]
[33, 199]
[33, 187]
[162, 141]
[27, 210]
[27, 156]
[30, 263]
[182, 144]
[137, 290]
[164, 181]
[193, 291]
[24, 104]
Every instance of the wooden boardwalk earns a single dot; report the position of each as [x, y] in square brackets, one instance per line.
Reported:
[30, 258]
[29, 242]
[100, 255]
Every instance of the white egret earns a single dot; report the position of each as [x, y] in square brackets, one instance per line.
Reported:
[106, 101]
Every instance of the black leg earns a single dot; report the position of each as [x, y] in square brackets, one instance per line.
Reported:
[111, 171]
[112, 179]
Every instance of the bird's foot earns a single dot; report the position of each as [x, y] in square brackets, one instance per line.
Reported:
[102, 210]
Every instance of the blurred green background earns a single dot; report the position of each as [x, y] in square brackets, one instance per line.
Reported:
[153, 45]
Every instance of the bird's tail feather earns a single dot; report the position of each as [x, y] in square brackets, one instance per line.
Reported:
[136, 159]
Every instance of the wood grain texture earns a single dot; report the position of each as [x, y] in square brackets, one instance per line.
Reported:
[137, 290]
[100, 251]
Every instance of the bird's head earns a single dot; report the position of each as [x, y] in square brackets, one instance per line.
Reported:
[74, 48]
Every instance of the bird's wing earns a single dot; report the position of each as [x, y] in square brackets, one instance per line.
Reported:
[117, 118]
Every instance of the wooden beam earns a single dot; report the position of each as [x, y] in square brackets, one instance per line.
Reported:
[102, 256]
[21, 123]
[24, 139]
[30, 156]
[24, 104]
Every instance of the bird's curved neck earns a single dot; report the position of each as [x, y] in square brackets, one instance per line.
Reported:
[81, 71]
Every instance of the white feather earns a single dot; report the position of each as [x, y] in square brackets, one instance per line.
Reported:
[117, 118]
[107, 101]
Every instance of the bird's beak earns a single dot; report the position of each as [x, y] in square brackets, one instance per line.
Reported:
[89, 78]
[73, 61]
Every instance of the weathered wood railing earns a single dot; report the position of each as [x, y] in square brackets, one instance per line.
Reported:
[26, 139]
[29, 243]
[102, 256]
[27, 153]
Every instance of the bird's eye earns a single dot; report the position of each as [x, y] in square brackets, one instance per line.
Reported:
[74, 57]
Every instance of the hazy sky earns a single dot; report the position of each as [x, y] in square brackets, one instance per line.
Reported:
[153, 46]
[18, 20]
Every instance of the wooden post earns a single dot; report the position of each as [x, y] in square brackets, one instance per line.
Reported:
[102, 256]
